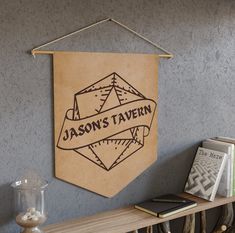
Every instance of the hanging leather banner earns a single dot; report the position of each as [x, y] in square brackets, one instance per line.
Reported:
[105, 113]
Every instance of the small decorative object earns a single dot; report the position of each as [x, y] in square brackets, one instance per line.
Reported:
[30, 202]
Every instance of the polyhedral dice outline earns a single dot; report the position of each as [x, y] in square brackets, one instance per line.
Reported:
[89, 152]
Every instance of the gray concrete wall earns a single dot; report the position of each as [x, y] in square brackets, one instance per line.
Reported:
[196, 89]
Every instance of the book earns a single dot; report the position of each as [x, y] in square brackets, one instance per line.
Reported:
[205, 174]
[232, 141]
[225, 188]
[166, 205]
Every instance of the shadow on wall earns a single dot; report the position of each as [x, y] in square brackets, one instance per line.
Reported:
[6, 204]
[167, 175]
[173, 170]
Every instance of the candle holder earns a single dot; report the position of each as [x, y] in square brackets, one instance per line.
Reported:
[29, 195]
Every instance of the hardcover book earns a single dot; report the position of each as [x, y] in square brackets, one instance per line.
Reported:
[205, 174]
[166, 205]
[226, 183]
[232, 141]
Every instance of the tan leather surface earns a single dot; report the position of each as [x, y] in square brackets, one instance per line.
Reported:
[105, 113]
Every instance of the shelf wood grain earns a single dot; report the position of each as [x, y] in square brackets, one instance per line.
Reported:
[127, 219]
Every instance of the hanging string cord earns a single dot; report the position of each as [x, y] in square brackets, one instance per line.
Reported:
[68, 35]
[142, 37]
[33, 51]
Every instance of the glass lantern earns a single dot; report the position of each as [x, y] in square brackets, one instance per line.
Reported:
[29, 195]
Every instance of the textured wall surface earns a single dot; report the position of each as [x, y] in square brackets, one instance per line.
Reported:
[196, 89]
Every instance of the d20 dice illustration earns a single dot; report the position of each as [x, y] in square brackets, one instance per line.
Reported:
[105, 94]
[107, 126]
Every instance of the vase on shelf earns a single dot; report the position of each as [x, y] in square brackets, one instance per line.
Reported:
[29, 198]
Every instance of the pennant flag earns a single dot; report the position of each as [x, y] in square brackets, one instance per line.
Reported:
[105, 111]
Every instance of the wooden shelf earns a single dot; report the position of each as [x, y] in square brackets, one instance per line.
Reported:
[127, 219]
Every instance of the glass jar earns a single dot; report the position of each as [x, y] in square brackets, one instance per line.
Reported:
[29, 195]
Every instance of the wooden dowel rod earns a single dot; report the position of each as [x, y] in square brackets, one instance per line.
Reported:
[165, 55]
[34, 52]
[41, 52]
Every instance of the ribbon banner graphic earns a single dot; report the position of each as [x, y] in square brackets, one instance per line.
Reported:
[110, 131]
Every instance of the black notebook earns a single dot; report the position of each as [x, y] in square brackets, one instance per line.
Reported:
[166, 205]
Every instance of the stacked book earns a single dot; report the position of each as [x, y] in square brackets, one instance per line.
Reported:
[166, 205]
[212, 171]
